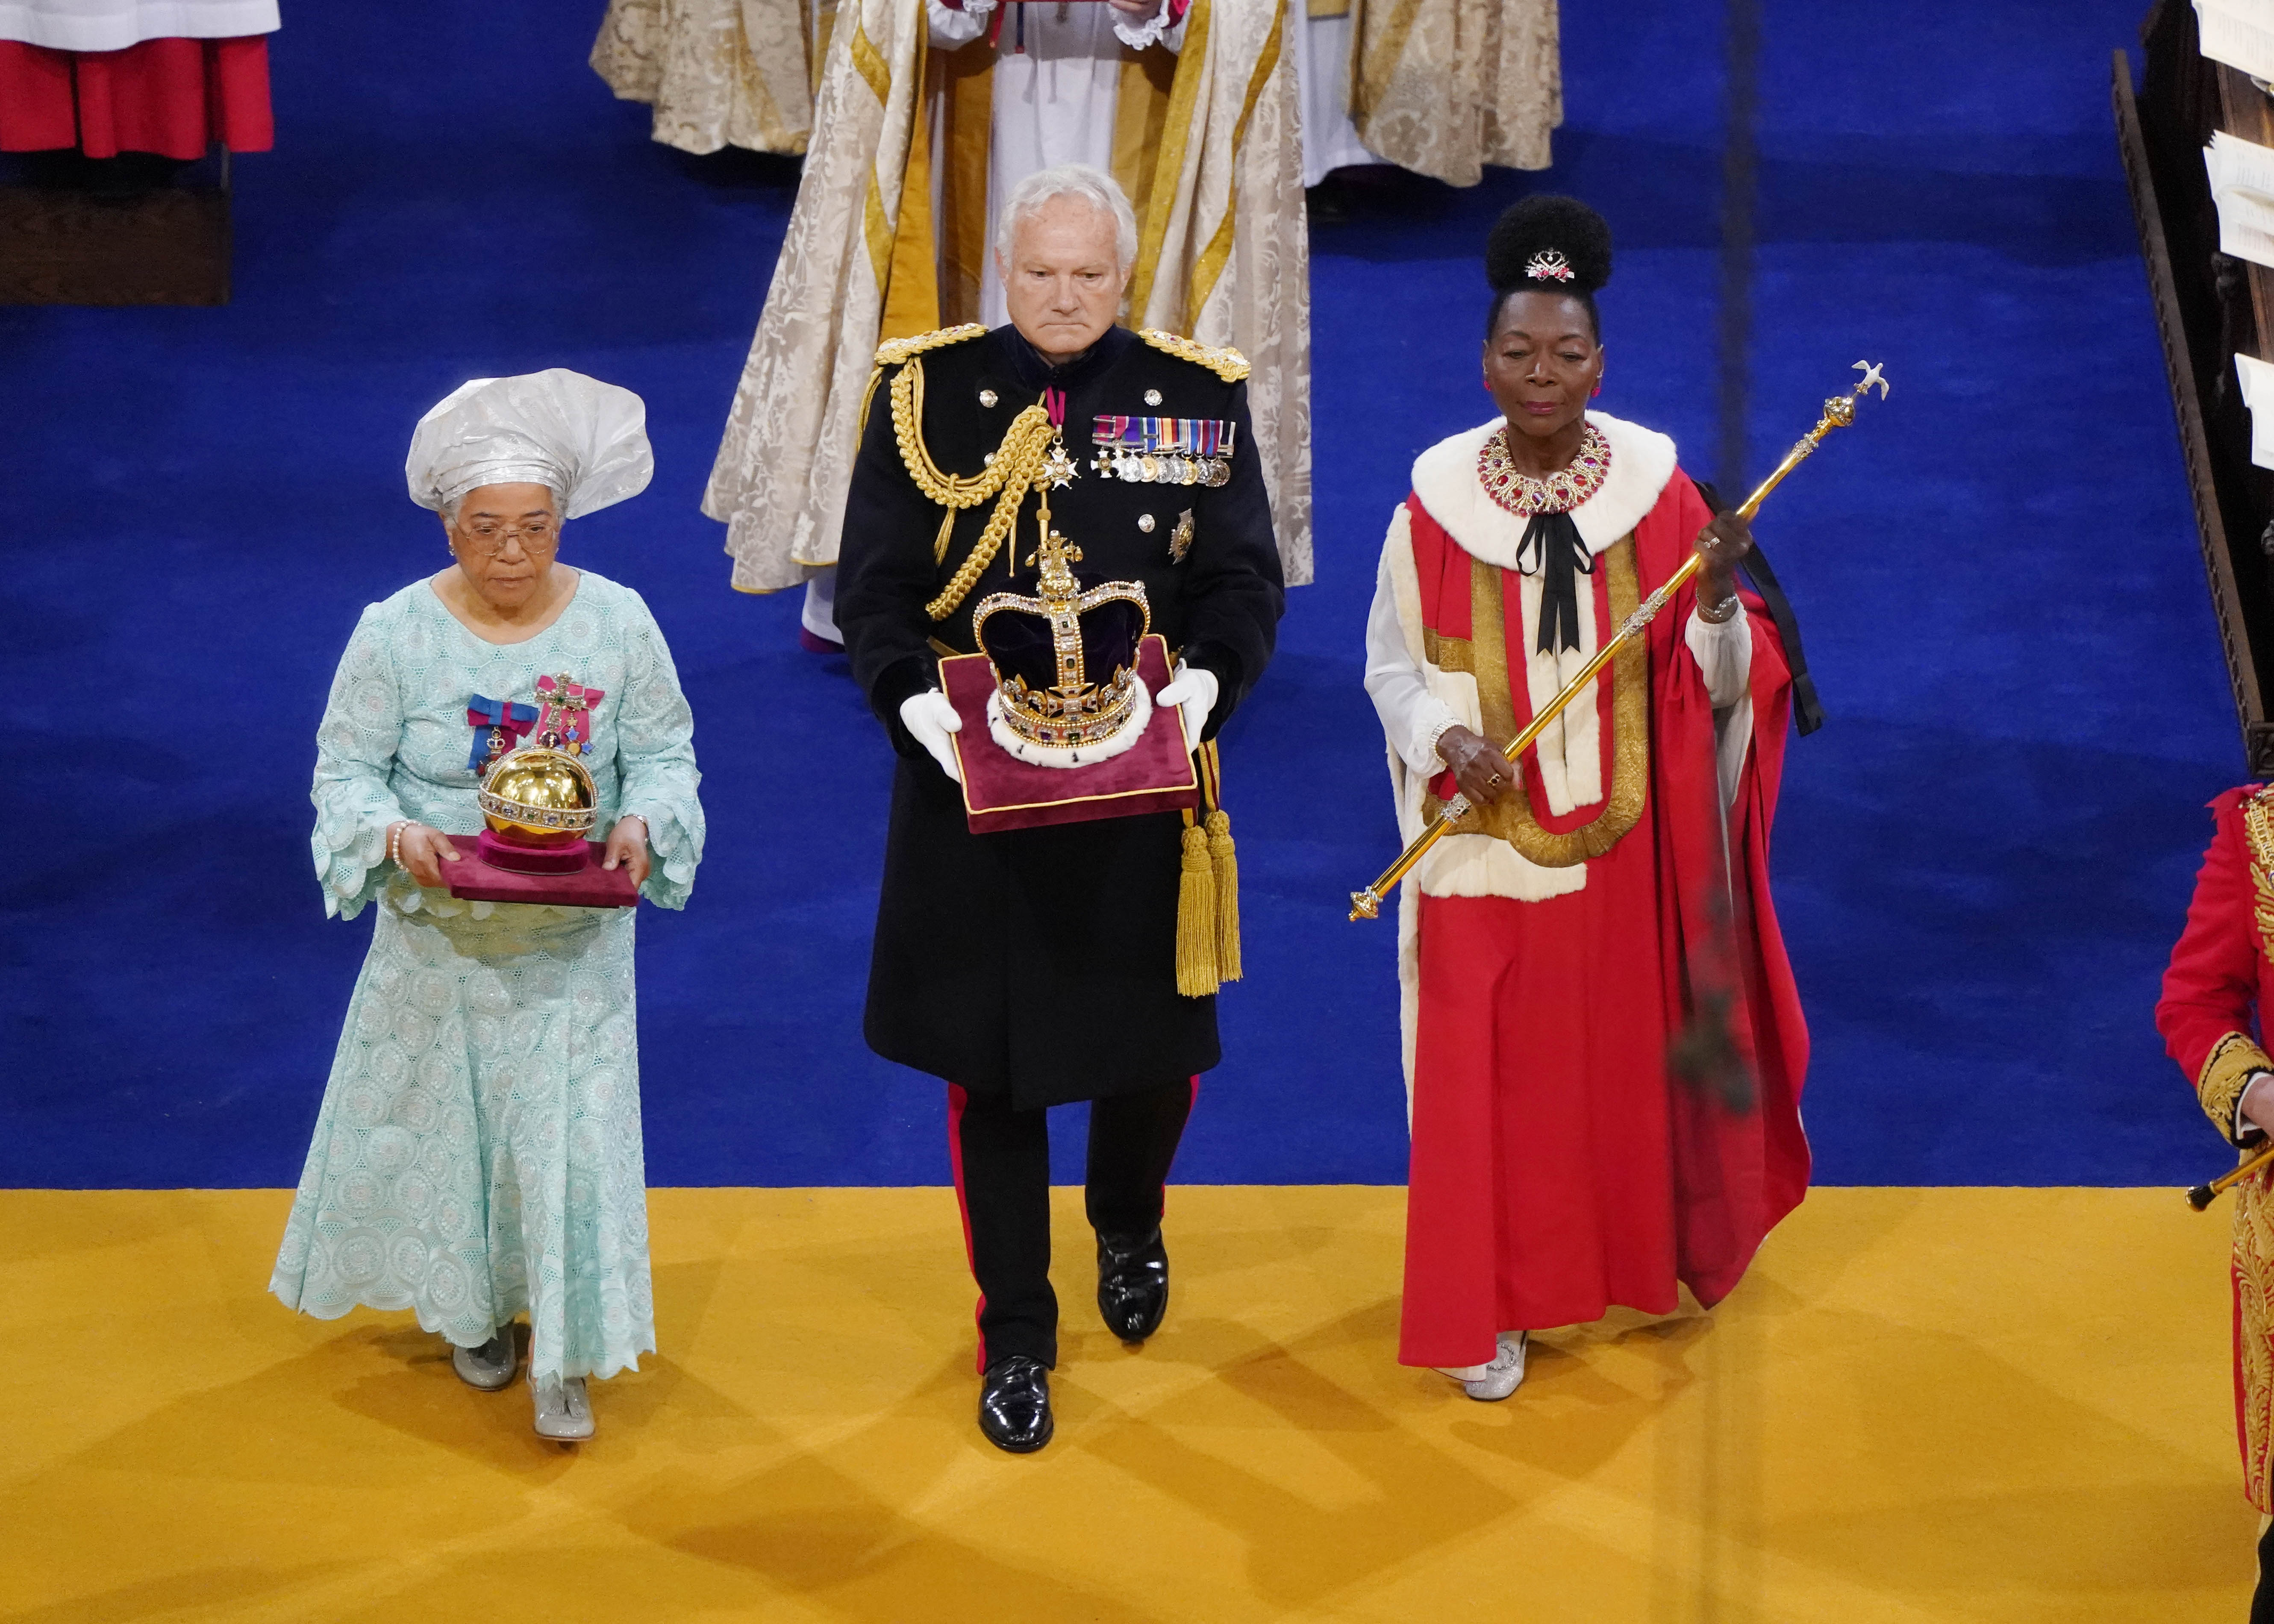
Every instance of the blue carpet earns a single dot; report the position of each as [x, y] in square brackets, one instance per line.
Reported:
[1982, 860]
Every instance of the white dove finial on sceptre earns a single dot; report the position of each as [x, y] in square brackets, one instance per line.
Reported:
[1870, 370]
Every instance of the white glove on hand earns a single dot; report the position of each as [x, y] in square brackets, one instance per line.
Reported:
[1193, 691]
[931, 721]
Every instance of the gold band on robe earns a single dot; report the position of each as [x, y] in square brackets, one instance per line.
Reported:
[2253, 1339]
[2258, 826]
[1484, 655]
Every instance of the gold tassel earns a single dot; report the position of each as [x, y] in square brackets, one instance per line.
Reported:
[1196, 916]
[1225, 862]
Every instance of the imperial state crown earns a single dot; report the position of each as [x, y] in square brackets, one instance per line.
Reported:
[1065, 660]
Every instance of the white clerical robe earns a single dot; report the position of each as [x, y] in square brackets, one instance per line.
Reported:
[114, 25]
[1057, 84]
[1321, 47]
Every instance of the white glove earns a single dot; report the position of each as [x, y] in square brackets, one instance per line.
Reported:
[1193, 691]
[931, 721]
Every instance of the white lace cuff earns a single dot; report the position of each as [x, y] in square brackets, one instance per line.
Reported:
[1154, 31]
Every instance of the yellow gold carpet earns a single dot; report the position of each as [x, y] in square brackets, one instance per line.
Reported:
[1922, 1405]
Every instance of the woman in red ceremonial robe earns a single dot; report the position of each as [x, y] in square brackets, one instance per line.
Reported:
[2216, 995]
[1609, 899]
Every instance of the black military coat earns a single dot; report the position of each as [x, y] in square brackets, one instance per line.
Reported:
[1041, 963]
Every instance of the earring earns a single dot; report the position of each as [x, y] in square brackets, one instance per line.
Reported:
[1598, 389]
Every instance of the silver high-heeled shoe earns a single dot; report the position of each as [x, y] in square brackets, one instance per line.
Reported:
[1505, 1374]
[564, 1414]
[491, 1366]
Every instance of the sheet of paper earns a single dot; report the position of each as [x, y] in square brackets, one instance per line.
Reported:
[2242, 186]
[2258, 395]
[2238, 33]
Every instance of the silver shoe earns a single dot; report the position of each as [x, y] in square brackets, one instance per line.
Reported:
[491, 1366]
[1505, 1374]
[563, 1413]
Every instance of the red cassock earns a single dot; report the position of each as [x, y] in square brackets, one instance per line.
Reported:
[171, 96]
[1557, 1167]
[2215, 990]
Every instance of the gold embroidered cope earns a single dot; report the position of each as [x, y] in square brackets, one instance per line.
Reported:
[2219, 1086]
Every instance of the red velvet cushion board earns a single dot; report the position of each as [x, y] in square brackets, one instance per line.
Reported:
[473, 880]
[1001, 791]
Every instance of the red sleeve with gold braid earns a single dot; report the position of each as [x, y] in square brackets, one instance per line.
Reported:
[2208, 1008]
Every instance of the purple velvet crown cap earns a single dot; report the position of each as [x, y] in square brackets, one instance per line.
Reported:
[1019, 643]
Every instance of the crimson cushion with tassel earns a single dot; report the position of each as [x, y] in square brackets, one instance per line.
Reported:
[1001, 791]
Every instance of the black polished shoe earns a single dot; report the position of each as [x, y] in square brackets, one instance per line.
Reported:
[1132, 1283]
[1014, 1404]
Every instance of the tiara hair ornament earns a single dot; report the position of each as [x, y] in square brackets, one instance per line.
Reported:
[1548, 265]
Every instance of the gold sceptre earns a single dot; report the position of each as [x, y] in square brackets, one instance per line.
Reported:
[1839, 412]
[2203, 1195]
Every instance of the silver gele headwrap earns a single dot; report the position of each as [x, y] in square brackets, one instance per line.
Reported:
[584, 438]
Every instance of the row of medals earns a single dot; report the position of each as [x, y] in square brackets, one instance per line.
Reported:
[1163, 468]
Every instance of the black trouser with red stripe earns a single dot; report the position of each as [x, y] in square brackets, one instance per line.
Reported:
[1001, 1161]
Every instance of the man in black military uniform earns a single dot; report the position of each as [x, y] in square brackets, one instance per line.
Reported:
[1036, 968]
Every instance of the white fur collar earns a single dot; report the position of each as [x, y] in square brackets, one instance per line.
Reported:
[1445, 480]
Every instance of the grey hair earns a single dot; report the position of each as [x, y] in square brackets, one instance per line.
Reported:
[449, 509]
[1093, 187]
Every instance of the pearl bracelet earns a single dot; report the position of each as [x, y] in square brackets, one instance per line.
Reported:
[394, 841]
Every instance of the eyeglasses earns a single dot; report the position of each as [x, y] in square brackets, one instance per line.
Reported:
[487, 538]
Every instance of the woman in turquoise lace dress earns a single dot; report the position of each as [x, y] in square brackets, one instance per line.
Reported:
[478, 1154]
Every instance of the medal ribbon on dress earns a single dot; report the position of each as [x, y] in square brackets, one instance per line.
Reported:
[566, 713]
[498, 724]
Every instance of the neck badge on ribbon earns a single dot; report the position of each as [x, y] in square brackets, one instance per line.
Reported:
[565, 714]
[499, 726]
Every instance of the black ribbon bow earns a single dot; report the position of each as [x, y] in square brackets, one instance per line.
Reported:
[1553, 550]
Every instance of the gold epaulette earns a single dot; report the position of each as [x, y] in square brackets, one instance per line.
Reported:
[1227, 364]
[892, 351]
